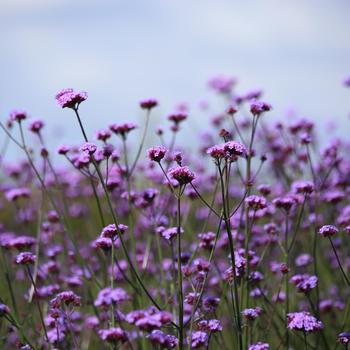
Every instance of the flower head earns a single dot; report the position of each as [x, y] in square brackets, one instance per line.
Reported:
[182, 174]
[328, 231]
[113, 335]
[70, 98]
[252, 313]
[122, 129]
[199, 339]
[222, 84]
[25, 258]
[4, 310]
[347, 82]
[303, 321]
[165, 340]
[111, 231]
[304, 283]
[344, 337]
[88, 147]
[258, 107]
[157, 153]
[259, 346]
[148, 103]
[36, 125]
[18, 115]
[256, 202]
[177, 118]
[67, 298]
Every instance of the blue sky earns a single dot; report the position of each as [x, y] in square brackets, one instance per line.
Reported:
[122, 51]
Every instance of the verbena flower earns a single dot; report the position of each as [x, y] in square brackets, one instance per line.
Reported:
[252, 313]
[199, 339]
[113, 335]
[256, 202]
[108, 296]
[164, 340]
[157, 153]
[304, 321]
[328, 231]
[344, 337]
[111, 231]
[304, 283]
[36, 125]
[25, 258]
[148, 103]
[259, 346]
[18, 115]
[68, 98]
[182, 174]
[68, 298]
[258, 107]
[18, 193]
[122, 129]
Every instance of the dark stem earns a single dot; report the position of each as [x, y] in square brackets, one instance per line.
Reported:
[179, 273]
[339, 263]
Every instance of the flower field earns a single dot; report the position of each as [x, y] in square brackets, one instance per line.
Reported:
[240, 242]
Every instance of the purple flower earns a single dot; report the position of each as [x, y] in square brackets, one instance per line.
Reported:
[67, 298]
[148, 103]
[344, 337]
[303, 321]
[252, 313]
[258, 107]
[4, 310]
[157, 153]
[303, 187]
[284, 203]
[122, 129]
[210, 325]
[103, 135]
[303, 260]
[92, 322]
[328, 230]
[206, 240]
[199, 339]
[113, 335]
[21, 242]
[102, 243]
[216, 151]
[17, 193]
[256, 202]
[177, 118]
[110, 231]
[347, 82]
[165, 340]
[70, 99]
[88, 147]
[304, 283]
[63, 149]
[234, 149]
[108, 296]
[36, 125]
[18, 115]
[25, 258]
[169, 233]
[182, 175]
[259, 346]
[222, 84]
[240, 266]
[148, 320]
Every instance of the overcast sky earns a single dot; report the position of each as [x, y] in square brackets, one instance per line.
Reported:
[298, 51]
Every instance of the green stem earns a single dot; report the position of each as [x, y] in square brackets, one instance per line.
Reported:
[179, 274]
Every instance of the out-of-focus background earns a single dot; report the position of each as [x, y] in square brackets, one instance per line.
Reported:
[121, 51]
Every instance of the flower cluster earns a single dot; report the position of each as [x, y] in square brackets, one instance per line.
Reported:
[224, 246]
